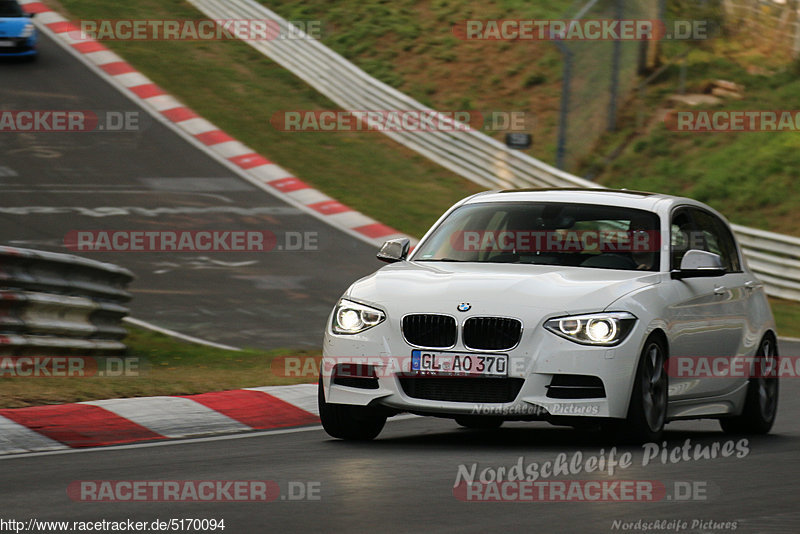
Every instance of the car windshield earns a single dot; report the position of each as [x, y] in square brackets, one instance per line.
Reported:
[547, 233]
[10, 9]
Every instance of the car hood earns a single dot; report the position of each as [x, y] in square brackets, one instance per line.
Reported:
[12, 26]
[496, 288]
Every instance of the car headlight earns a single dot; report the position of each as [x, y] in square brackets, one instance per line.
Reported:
[27, 31]
[607, 329]
[351, 317]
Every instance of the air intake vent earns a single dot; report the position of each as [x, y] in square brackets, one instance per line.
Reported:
[491, 333]
[458, 389]
[576, 387]
[428, 330]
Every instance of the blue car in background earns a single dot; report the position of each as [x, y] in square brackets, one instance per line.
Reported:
[17, 32]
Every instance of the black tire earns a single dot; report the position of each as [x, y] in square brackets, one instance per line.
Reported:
[483, 422]
[647, 412]
[343, 421]
[761, 403]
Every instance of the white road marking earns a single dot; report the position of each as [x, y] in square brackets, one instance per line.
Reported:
[108, 211]
[303, 396]
[177, 335]
[164, 102]
[270, 172]
[7, 171]
[172, 417]
[16, 438]
[230, 149]
[196, 126]
[48, 17]
[309, 196]
[103, 57]
[149, 444]
[132, 79]
[351, 219]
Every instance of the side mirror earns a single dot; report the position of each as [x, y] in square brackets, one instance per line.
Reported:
[699, 263]
[394, 250]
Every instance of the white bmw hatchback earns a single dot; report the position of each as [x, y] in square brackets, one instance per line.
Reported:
[617, 308]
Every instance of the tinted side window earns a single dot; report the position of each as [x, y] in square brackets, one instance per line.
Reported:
[681, 231]
[715, 237]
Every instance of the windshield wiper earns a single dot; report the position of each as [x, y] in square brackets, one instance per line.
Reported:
[444, 259]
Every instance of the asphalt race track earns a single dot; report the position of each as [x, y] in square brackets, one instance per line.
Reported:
[403, 482]
[115, 181]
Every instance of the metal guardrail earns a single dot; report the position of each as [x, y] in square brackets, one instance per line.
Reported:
[775, 258]
[471, 154]
[57, 302]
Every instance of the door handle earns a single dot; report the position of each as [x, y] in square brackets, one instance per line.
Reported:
[719, 290]
[750, 285]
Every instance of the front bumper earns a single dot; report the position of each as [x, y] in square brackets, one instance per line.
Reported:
[540, 357]
[20, 47]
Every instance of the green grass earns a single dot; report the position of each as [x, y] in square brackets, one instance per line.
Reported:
[751, 177]
[165, 367]
[787, 317]
[411, 45]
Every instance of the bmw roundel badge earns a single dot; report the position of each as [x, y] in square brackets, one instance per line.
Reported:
[464, 306]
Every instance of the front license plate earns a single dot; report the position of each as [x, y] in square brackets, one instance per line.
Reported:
[459, 364]
[6, 43]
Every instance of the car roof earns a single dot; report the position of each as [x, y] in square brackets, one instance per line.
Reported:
[611, 197]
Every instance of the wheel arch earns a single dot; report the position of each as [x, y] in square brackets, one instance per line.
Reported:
[659, 333]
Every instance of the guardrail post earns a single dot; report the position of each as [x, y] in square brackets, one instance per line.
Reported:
[563, 116]
[615, 56]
